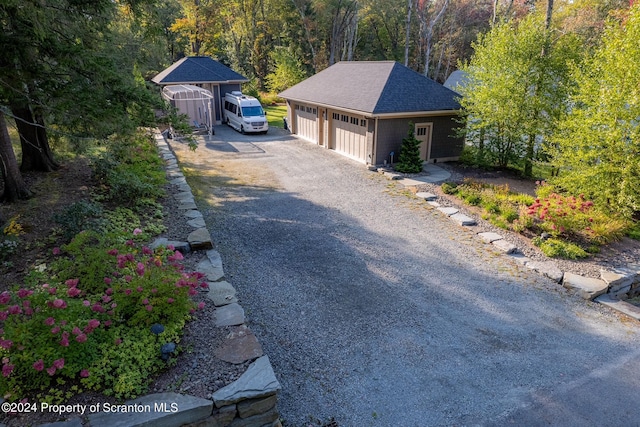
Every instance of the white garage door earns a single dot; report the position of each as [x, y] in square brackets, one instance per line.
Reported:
[307, 122]
[349, 136]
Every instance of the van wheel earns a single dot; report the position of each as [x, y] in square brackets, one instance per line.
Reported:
[242, 129]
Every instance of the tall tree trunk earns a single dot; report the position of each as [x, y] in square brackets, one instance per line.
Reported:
[428, 33]
[14, 186]
[549, 14]
[36, 152]
[408, 31]
[307, 32]
[528, 159]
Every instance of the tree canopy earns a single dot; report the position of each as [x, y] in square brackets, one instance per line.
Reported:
[597, 145]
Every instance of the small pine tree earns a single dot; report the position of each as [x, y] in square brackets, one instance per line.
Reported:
[409, 160]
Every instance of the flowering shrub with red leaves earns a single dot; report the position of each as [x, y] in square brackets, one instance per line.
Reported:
[573, 217]
[101, 339]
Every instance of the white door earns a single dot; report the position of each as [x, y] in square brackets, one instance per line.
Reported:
[423, 134]
[349, 136]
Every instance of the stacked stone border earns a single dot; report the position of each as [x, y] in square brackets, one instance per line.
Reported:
[611, 289]
[251, 400]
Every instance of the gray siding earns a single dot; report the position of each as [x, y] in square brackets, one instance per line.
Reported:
[443, 143]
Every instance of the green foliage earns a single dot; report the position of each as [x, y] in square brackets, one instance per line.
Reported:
[598, 141]
[275, 115]
[516, 87]
[288, 70]
[555, 248]
[449, 187]
[576, 218]
[82, 323]
[77, 217]
[83, 327]
[634, 231]
[409, 160]
[9, 238]
[130, 169]
[271, 99]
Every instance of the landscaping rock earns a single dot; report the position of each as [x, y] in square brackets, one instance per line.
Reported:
[546, 268]
[229, 315]
[211, 266]
[163, 241]
[221, 293]
[239, 346]
[187, 206]
[251, 407]
[522, 259]
[174, 173]
[155, 410]
[504, 246]
[196, 223]
[257, 420]
[427, 196]
[184, 187]
[178, 181]
[200, 239]
[183, 195]
[587, 287]
[490, 237]
[621, 306]
[392, 175]
[257, 382]
[74, 422]
[463, 219]
[193, 214]
[434, 204]
[219, 418]
[619, 281]
[448, 210]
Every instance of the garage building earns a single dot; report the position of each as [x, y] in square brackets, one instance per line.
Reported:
[363, 109]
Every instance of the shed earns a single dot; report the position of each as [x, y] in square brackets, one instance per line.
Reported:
[193, 101]
[204, 72]
[362, 109]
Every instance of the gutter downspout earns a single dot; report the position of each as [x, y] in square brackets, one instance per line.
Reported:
[375, 143]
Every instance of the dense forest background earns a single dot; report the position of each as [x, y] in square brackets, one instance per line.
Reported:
[74, 71]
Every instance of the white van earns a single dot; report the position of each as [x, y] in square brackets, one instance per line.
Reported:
[244, 113]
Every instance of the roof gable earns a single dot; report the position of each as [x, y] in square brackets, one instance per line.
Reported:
[381, 87]
[197, 69]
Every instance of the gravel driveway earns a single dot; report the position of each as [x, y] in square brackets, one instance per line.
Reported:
[376, 310]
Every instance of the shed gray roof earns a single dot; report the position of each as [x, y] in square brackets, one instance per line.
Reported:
[376, 87]
[198, 69]
[456, 81]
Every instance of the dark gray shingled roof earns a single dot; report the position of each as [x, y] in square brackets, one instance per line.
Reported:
[197, 69]
[377, 87]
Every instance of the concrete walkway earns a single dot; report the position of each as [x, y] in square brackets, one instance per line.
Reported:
[436, 174]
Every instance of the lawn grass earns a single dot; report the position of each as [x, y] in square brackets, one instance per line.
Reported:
[275, 114]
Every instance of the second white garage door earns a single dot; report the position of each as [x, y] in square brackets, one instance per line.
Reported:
[349, 136]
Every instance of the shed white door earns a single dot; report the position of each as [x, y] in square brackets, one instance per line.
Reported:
[307, 122]
[349, 136]
[423, 134]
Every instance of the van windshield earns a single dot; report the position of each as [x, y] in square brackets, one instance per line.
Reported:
[252, 111]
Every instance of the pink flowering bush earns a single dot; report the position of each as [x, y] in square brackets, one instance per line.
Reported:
[95, 332]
